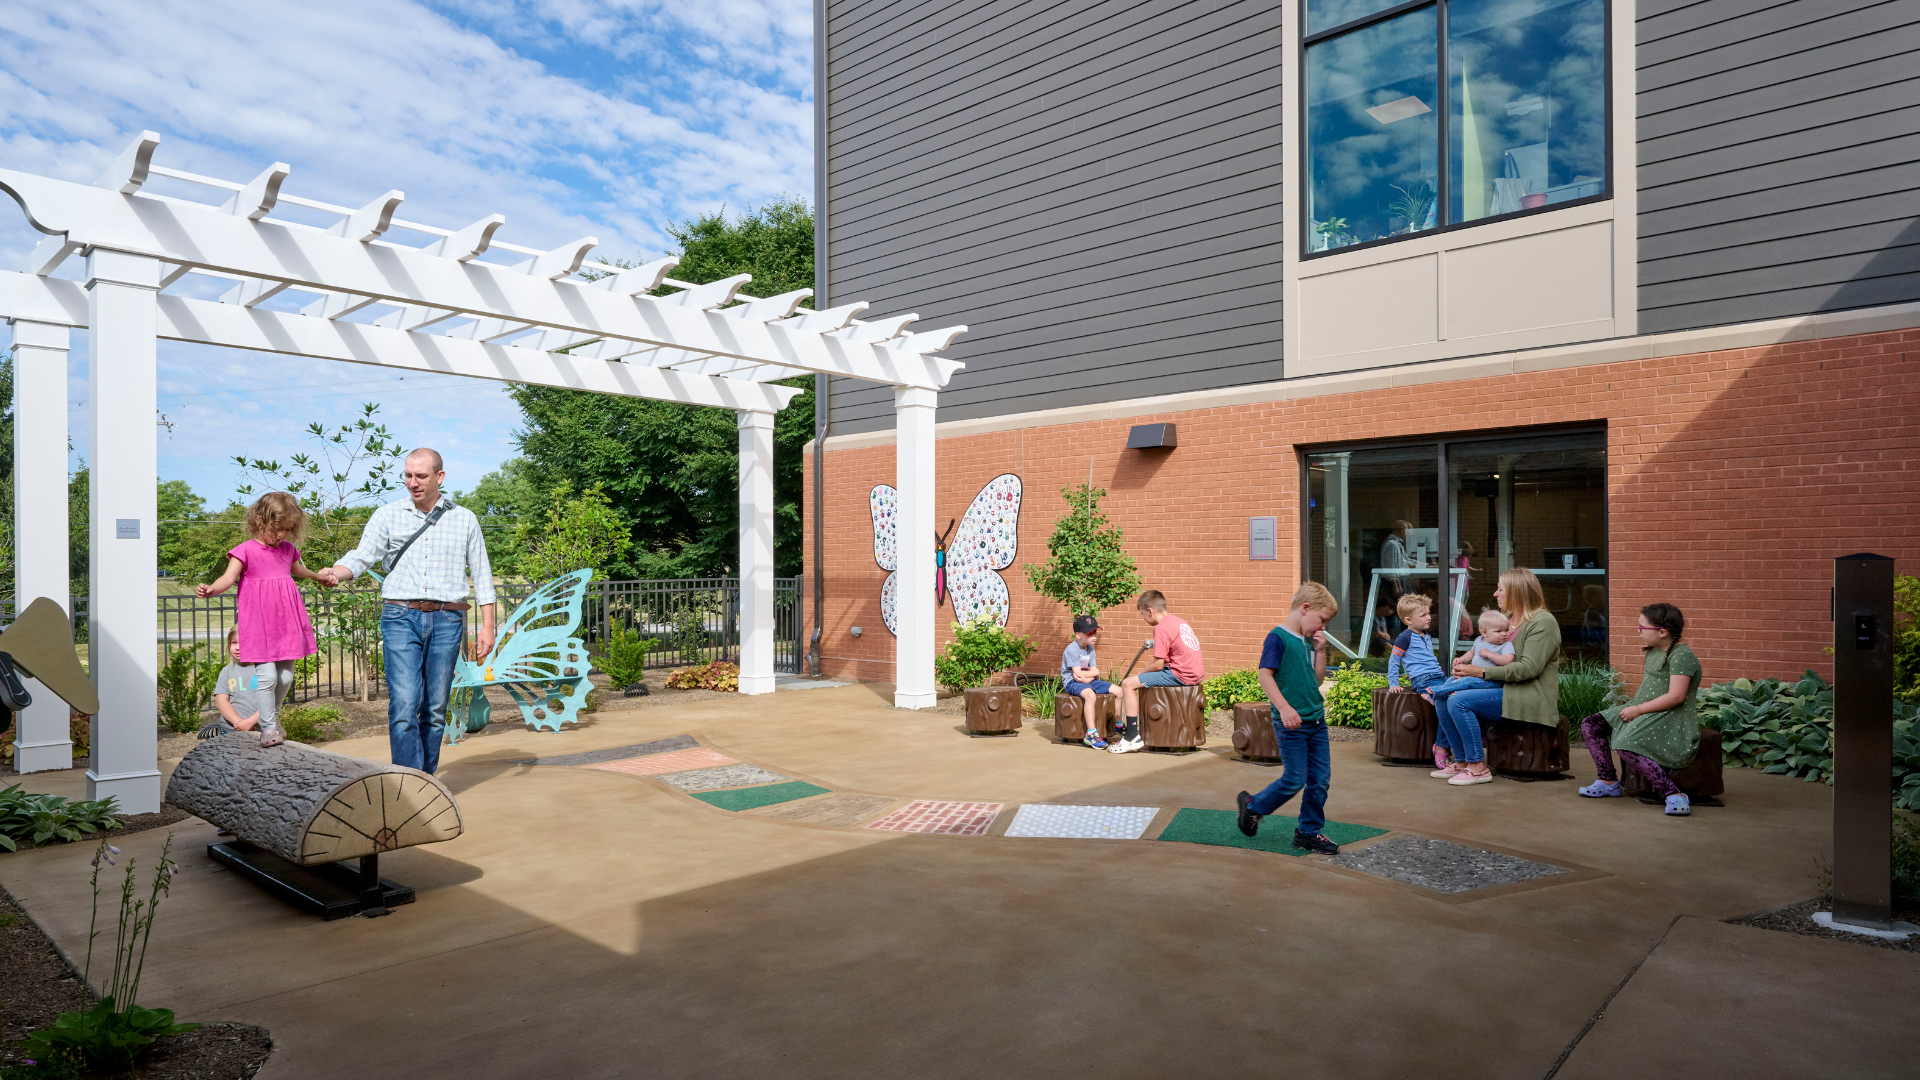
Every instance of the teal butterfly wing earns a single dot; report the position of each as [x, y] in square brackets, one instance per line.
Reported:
[537, 659]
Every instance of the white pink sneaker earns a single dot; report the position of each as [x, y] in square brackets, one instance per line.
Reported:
[1448, 771]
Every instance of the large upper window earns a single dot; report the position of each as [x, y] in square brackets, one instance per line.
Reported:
[1518, 123]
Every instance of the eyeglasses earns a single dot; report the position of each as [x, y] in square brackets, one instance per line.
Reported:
[1644, 626]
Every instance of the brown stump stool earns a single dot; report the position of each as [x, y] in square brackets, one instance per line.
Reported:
[993, 710]
[1516, 747]
[1070, 716]
[1700, 781]
[1404, 727]
[1173, 717]
[1253, 733]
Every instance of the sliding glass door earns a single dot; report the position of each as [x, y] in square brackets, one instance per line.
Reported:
[1379, 518]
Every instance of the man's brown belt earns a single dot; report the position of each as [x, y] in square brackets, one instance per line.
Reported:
[432, 605]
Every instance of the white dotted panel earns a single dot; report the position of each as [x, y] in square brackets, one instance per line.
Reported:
[1082, 822]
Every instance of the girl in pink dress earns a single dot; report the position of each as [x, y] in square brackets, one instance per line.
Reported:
[272, 617]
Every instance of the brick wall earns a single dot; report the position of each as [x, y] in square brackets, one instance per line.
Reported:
[1733, 480]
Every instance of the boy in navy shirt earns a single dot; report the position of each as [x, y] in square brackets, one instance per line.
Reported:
[1292, 663]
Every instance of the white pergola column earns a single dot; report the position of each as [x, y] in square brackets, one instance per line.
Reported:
[913, 477]
[756, 552]
[122, 553]
[41, 739]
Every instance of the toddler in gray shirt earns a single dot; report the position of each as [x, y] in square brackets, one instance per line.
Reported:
[248, 697]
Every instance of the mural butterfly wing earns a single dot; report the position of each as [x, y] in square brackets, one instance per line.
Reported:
[985, 543]
[884, 502]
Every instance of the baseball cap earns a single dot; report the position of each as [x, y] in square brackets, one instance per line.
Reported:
[1085, 624]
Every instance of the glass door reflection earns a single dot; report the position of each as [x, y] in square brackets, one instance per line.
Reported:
[1373, 519]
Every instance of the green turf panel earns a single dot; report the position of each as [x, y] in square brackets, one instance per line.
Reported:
[1216, 827]
[749, 798]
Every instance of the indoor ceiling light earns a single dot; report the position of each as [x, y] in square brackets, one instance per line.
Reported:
[1397, 110]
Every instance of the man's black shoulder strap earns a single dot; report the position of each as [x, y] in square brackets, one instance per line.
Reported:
[393, 560]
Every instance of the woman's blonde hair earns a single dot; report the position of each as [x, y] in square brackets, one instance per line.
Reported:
[277, 510]
[1524, 594]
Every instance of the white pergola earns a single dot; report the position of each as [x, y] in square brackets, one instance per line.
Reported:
[350, 292]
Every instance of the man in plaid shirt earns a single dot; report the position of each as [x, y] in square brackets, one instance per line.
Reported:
[423, 618]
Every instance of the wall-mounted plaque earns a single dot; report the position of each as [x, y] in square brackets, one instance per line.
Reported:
[1262, 533]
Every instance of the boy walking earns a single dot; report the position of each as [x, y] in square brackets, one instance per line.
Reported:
[1080, 676]
[1176, 662]
[1292, 663]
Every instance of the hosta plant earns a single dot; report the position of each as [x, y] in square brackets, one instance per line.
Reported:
[36, 819]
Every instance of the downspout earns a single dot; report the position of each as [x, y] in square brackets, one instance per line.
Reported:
[822, 384]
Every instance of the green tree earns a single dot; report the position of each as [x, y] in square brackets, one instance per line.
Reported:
[580, 533]
[1088, 571]
[671, 471]
[180, 511]
[500, 500]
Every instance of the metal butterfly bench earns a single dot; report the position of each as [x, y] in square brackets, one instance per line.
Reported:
[537, 660]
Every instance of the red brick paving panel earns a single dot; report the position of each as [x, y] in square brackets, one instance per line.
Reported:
[943, 818]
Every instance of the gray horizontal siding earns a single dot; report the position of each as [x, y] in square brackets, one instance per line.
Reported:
[1093, 186]
[1779, 158]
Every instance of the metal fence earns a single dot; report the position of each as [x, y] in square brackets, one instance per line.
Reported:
[691, 620]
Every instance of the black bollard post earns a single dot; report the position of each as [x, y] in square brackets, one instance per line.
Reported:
[1863, 741]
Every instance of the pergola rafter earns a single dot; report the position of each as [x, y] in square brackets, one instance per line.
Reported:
[349, 291]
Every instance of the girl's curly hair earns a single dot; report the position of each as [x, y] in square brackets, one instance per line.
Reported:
[277, 510]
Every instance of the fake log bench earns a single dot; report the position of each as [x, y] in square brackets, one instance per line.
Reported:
[299, 813]
[1173, 718]
[1405, 726]
[1701, 781]
[1070, 716]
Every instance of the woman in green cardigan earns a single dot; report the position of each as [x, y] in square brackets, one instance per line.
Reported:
[1658, 732]
[1531, 693]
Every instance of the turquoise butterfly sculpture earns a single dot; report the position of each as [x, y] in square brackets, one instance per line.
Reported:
[536, 660]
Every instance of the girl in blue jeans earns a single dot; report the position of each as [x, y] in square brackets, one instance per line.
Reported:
[1530, 685]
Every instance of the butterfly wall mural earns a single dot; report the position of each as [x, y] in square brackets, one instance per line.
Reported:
[967, 558]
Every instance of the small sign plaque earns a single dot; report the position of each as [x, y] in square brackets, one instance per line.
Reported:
[1261, 534]
[126, 528]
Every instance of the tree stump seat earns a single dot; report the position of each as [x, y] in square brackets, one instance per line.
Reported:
[299, 812]
[1070, 716]
[1405, 726]
[1700, 781]
[1253, 738]
[1528, 749]
[1173, 718]
[993, 710]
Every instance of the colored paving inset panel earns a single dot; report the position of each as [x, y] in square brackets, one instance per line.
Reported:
[942, 818]
[721, 776]
[655, 764]
[1082, 822]
[615, 753]
[842, 808]
[1217, 827]
[748, 798]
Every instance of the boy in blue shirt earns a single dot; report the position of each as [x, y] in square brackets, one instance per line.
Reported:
[1292, 663]
[1080, 675]
[1413, 649]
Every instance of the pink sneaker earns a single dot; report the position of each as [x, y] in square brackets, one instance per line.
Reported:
[1441, 757]
[1448, 771]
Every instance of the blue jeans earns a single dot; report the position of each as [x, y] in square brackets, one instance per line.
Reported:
[1160, 677]
[1460, 722]
[419, 649]
[1425, 681]
[1440, 693]
[1308, 764]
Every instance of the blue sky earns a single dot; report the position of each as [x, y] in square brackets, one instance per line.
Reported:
[608, 118]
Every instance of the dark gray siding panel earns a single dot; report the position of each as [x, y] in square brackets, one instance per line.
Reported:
[1093, 186]
[1779, 158]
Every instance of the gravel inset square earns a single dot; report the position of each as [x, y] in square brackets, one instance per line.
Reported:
[619, 753]
[723, 776]
[1442, 866]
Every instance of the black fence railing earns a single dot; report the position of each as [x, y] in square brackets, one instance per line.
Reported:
[691, 620]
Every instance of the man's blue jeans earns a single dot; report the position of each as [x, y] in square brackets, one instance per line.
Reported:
[1460, 722]
[1308, 765]
[419, 649]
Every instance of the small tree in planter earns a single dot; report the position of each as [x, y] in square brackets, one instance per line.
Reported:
[979, 650]
[1087, 570]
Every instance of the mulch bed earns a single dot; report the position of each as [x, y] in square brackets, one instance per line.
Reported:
[1798, 919]
[39, 986]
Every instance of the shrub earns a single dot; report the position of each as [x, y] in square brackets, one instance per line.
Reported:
[1037, 696]
[625, 657]
[186, 685]
[979, 649]
[719, 675]
[1588, 687]
[1088, 571]
[1350, 699]
[1906, 861]
[1230, 688]
[302, 722]
[1906, 638]
[37, 819]
[1787, 728]
[690, 633]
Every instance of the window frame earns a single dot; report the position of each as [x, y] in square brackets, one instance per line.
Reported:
[1444, 189]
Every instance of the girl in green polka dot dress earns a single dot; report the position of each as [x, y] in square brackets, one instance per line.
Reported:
[1658, 731]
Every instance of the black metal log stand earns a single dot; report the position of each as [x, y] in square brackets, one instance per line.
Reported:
[1863, 741]
[331, 890]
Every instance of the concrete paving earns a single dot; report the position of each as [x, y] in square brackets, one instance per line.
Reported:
[592, 923]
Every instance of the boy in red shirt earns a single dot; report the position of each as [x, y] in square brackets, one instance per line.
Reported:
[1176, 662]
